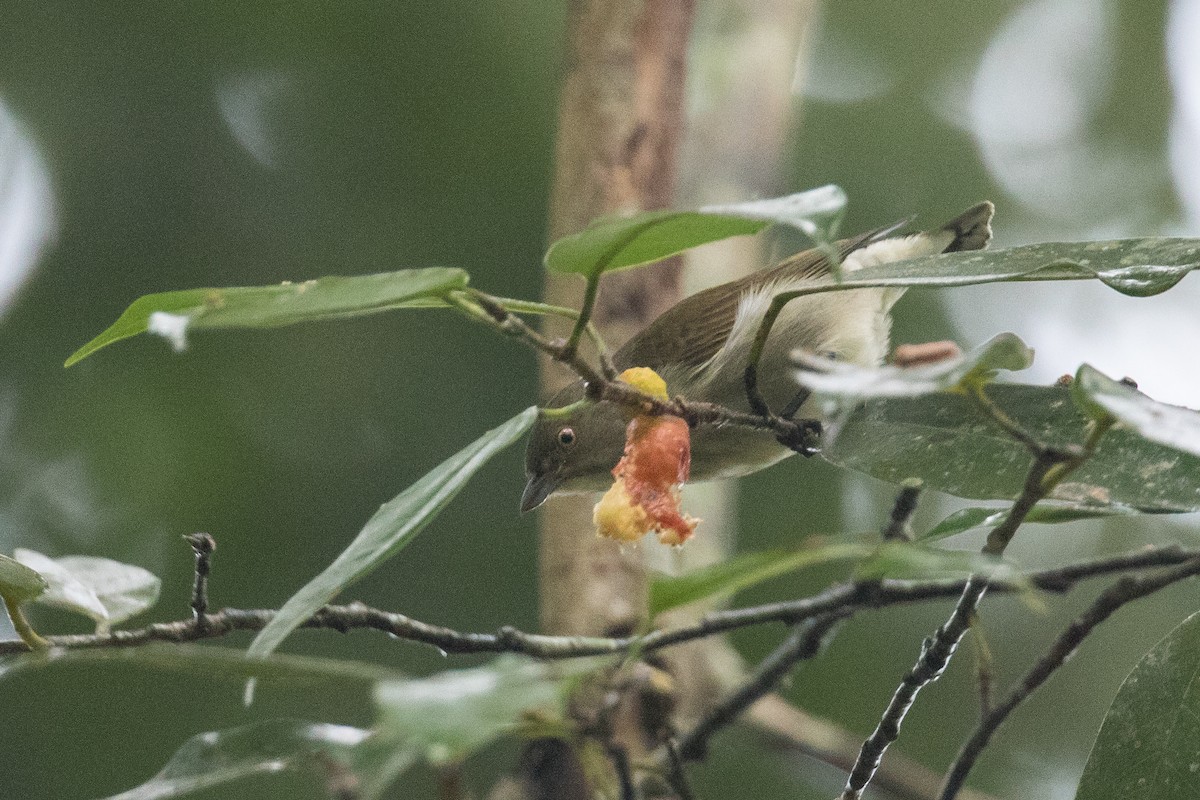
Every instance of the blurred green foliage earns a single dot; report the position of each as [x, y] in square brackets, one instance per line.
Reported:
[245, 144]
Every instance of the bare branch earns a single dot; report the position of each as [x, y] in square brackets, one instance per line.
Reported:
[796, 731]
[203, 546]
[936, 651]
[846, 598]
[804, 643]
[676, 776]
[1126, 590]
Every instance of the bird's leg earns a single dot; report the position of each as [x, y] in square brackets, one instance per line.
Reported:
[793, 406]
[804, 437]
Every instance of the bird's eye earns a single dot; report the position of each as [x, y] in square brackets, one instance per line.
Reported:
[566, 437]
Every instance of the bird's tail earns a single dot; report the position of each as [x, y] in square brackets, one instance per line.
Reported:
[972, 229]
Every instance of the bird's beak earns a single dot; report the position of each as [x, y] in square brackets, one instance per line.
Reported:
[538, 489]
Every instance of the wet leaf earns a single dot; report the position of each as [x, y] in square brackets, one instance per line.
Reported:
[1147, 746]
[729, 577]
[174, 314]
[18, 583]
[452, 714]
[395, 525]
[1173, 426]
[337, 754]
[947, 443]
[613, 243]
[841, 385]
[1137, 267]
[107, 591]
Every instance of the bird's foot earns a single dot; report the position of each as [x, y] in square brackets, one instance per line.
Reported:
[803, 436]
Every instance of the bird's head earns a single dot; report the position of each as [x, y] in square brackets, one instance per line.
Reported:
[573, 451]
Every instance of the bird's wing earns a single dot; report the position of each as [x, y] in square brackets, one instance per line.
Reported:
[691, 332]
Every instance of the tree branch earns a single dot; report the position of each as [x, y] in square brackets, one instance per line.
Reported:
[804, 643]
[848, 598]
[203, 546]
[1050, 466]
[488, 310]
[1126, 590]
[794, 730]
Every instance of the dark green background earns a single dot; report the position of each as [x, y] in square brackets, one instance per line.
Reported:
[415, 134]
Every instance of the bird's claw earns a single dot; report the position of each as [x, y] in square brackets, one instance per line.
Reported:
[803, 436]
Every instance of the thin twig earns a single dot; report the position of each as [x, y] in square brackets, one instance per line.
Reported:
[796, 731]
[203, 547]
[936, 651]
[801, 436]
[620, 761]
[798, 400]
[803, 643]
[1126, 590]
[845, 597]
[676, 774]
[984, 672]
[486, 309]
[529, 307]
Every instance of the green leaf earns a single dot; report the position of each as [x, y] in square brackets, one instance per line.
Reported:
[1173, 426]
[816, 213]
[966, 519]
[947, 443]
[612, 243]
[107, 591]
[217, 758]
[18, 583]
[841, 384]
[727, 578]
[1137, 267]
[205, 663]
[173, 314]
[906, 560]
[395, 525]
[452, 714]
[1147, 746]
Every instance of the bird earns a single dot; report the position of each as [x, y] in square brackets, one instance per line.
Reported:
[701, 346]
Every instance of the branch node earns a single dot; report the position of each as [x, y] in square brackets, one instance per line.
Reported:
[203, 545]
[508, 636]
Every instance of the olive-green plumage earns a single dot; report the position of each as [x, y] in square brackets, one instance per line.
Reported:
[701, 346]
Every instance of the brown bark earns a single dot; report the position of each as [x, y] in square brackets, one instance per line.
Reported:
[620, 123]
[744, 59]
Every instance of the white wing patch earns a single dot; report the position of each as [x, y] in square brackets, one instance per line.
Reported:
[854, 325]
[898, 249]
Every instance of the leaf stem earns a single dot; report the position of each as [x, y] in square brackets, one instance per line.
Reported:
[585, 315]
[758, 403]
[516, 306]
[28, 635]
[976, 392]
